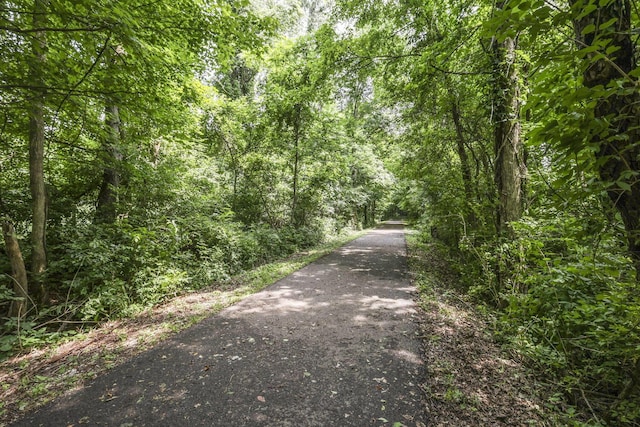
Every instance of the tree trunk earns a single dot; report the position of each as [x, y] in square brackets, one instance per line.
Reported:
[296, 164]
[234, 164]
[467, 181]
[509, 166]
[18, 271]
[106, 210]
[373, 212]
[619, 148]
[36, 152]
[510, 169]
[365, 215]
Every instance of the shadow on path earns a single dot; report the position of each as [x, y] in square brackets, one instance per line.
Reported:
[333, 344]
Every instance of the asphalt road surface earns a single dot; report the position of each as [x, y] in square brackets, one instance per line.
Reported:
[334, 344]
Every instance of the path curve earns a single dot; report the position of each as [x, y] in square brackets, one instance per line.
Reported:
[334, 344]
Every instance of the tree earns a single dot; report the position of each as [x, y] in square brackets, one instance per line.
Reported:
[107, 197]
[295, 93]
[74, 94]
[19, 306]
[510, 167]
[610, 73]
[37, 63]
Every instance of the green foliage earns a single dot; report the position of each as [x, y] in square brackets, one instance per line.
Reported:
[19, 335]
[225, 158]
[110, 271]
[570, 305]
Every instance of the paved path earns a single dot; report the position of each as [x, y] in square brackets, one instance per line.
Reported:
[334, 344]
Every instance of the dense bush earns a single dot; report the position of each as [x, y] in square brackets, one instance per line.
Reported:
[112, 270]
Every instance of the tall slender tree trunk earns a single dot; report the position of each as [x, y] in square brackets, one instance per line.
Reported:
[18, 271]
[296, 164]
[365, 215]
[465, 169]
[462, 152]
[36, 151]
[106, 210]
[619, 148]
[296, 172]
[373, 212]
[234, 165]
[510, 168]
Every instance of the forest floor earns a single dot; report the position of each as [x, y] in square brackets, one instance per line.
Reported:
[342, 339]
[471, 380]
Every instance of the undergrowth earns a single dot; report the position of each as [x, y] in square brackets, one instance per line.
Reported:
[568, 307]
[114, 271]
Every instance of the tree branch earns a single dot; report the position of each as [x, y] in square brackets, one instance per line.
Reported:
[65, 90]
[86, 74]
[410, 55]
[54, 29]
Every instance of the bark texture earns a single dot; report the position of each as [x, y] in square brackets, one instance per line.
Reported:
[18, 271]
[36, 151]
[106, 209]
[510, 168]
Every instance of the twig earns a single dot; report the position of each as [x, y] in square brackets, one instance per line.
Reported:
[589, 406]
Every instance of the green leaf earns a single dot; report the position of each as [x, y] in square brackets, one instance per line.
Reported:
[607, 24]
[587, 10]
[623, 185]
[588, 29]
[612, 49]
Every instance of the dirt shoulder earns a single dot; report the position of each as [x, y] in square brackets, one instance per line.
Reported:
[471, 380]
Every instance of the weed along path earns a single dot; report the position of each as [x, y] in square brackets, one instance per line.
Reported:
[334, 344]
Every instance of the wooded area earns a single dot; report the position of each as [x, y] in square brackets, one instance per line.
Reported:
[150, 148]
